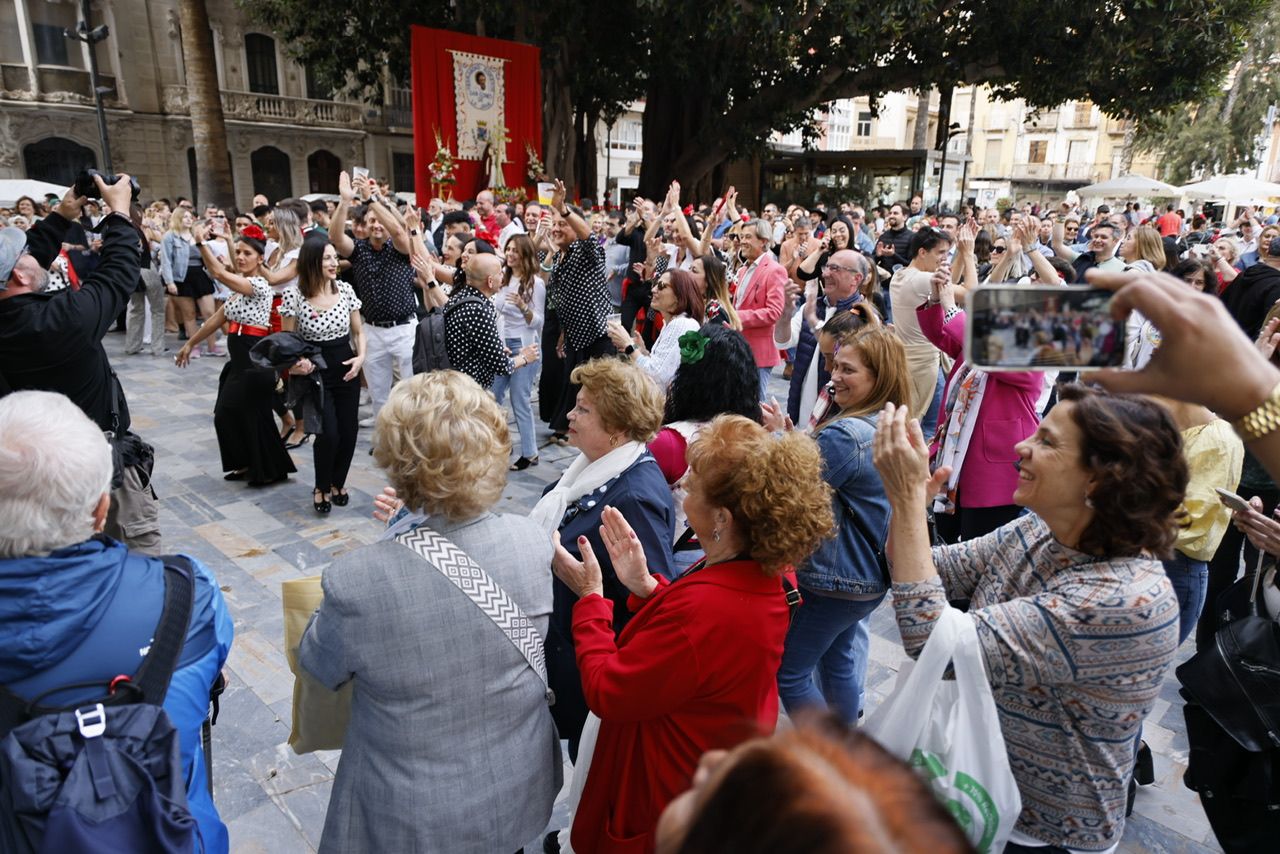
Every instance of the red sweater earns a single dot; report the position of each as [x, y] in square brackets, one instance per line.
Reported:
[695, 670]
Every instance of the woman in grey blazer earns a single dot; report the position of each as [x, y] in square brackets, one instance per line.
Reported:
[451, 746]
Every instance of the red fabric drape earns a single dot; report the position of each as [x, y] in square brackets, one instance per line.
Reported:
[433, 107]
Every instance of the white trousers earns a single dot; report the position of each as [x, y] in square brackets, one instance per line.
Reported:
[387, 349]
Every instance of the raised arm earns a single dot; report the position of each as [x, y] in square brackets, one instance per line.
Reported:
[213, 264]
[1061, 249]
[338, 222]
[581, 229]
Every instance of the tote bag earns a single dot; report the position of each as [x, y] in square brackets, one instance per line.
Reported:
[320, 716]
[949, 732]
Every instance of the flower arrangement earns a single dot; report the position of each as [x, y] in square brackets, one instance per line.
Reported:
[442, 166]
[536, 171]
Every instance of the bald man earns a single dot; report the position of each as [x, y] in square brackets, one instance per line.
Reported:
[842, 280]
[471, 331]
[489, 228]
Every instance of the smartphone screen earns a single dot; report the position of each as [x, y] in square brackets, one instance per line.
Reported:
[359, 172]
[1042, 328]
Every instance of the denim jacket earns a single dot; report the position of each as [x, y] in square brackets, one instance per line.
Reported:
[174, 257]
[847, 562]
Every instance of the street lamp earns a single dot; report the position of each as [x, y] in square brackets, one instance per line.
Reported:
[953, 130]
[82, 33]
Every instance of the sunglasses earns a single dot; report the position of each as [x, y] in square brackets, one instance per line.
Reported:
[998, 250]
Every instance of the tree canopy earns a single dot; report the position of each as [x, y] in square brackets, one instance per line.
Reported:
[719, 78]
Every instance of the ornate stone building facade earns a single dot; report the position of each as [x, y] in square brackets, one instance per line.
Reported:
[285, 137]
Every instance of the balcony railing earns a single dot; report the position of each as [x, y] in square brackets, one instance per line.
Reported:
[1082, 172]
[398, 112]
[255, 107]
[57, 83]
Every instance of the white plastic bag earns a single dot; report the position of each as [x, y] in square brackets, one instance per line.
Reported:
[586, 751]
[950, 732]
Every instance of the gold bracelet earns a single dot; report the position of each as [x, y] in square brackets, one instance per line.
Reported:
[1264, 419]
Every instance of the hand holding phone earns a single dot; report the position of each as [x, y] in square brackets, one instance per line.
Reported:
[1235, 502]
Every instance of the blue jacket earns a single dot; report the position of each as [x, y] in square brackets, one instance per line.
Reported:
[847, 563]
[174, 257]
[87, 613]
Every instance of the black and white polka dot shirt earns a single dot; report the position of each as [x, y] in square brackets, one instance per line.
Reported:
[316, 324]
[251, 310]
[471, 336]
[383, 282]
[577, 290]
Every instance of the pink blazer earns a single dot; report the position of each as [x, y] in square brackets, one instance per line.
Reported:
[761, 307]
[1006, 417]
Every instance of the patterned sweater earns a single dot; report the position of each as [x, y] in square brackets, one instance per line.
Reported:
[1076, 648]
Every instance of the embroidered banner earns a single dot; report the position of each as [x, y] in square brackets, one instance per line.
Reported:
[479, 92]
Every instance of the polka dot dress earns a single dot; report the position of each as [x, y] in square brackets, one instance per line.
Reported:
[581, 299]
[252, 310]
[316, 324]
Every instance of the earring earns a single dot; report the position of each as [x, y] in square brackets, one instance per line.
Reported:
[715, 535]
[1088, 501]
[613, 441]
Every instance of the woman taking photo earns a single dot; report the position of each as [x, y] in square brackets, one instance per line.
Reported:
[521, 307]
[843, 581]
[618, 410]
[679, 298]
[984, 416]
[694, 669]
[450, 745]
[326, 312]
[251, 448]
[183, 271]
[1077, 622]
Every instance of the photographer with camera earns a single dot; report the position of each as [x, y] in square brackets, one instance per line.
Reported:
[53, 341]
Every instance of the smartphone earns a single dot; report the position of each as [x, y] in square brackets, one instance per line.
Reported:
[1042, 328]
[1235, 502]
[614, 318]
[359, 172]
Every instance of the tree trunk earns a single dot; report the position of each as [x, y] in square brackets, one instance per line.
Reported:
[680, 141]
[559, 137]
[1237, 83]
[208, 129]
[921, 137]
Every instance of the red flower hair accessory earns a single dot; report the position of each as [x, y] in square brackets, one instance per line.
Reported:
[253, 231]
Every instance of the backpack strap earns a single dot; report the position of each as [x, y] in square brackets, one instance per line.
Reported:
[157, 668]
[487, 595]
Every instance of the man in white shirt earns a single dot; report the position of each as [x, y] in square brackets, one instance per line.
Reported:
[507, 225]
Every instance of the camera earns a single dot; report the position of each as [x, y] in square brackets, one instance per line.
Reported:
[87, 187]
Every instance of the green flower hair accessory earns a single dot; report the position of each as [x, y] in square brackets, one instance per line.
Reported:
[693, 346]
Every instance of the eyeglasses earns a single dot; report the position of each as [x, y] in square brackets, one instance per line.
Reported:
[998, 250]
[836, 268]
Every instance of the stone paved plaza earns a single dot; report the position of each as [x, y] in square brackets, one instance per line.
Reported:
[254, 538]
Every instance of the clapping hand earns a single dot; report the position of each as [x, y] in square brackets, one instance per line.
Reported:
[558, 195]
[901, 455]
[1269, 338]
[583, 577]
[968, 233]
[773, 417]
[626, 553]
[386, 505]
[345, 190]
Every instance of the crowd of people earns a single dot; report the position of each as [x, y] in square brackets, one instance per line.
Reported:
[711, 556]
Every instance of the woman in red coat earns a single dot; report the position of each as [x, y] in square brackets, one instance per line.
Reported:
[696, 668]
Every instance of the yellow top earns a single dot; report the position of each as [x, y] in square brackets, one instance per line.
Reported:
[1214, 456]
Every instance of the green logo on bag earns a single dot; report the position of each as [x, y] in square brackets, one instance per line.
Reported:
[978, 808]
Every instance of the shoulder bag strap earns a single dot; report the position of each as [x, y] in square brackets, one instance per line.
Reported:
[487, 595]
[171, 633]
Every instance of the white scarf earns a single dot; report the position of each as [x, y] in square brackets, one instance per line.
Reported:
[580, 478]
[969, 385]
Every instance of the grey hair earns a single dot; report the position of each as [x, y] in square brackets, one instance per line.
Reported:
[55, 466]
[762, 229]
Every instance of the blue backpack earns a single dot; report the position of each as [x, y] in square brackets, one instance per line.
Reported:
[104, 774]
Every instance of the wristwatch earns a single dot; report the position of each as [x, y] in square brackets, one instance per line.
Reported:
[631, 348]
[1263, 420]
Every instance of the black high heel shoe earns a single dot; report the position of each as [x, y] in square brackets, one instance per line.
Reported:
[340, 498]
[306, 437]
[323, 505]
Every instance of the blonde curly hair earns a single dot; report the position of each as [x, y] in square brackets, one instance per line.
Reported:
[443, 442]
[626, 399]
[773, 488]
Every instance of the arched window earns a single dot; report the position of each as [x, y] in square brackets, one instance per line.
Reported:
[260, 56]
[322, 172]
[57, 160]
[271, 173]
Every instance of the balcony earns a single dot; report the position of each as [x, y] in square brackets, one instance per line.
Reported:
[1074, 173]
[398, 113]
[57, 83]
[1044, 120]
[255, 107]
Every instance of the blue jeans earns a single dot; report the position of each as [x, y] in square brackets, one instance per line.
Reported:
[929, 424]
[521, 383]
[831, 636]
[765, 373]
[1190, 580]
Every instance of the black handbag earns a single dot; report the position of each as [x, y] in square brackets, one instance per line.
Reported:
[1236, 680]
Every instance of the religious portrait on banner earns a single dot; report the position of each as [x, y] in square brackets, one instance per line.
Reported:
[478, 87]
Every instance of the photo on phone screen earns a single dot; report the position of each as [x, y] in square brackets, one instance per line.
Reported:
[1042, 328]
[359, 172]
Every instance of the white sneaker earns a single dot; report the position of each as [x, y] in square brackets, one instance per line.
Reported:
[367, 422]
[365, 399]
